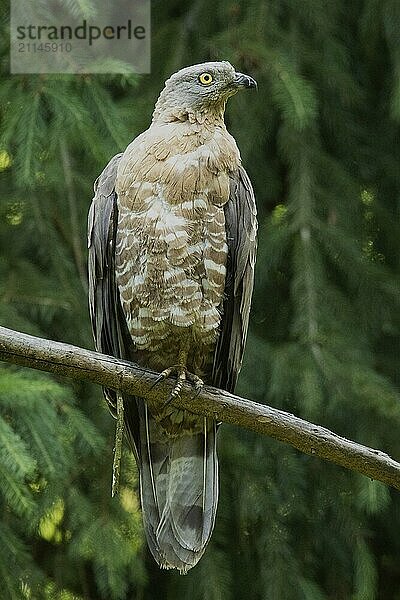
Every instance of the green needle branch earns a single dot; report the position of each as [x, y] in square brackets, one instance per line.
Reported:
[78, 363]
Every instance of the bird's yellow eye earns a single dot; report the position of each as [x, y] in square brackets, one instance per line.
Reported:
[206, 79]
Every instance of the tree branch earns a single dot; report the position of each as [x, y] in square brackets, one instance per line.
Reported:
[77, 363]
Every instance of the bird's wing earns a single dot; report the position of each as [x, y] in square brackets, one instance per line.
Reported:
[108, 320]
[241, 234]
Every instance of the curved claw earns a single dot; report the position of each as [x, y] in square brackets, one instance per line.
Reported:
[182, 375]
[178, 386]
[197, 382]
[164, 375]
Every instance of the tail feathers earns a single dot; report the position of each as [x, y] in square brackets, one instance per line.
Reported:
[179, 491]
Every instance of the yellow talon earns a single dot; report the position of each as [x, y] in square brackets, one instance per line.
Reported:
[183, 375]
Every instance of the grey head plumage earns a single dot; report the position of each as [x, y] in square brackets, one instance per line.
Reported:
[199, 88]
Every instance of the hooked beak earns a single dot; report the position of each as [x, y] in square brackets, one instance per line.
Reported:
[244, 81]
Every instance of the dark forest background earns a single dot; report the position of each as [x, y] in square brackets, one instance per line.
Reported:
[320, 141]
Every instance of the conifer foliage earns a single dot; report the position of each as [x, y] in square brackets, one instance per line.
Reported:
[320, 142]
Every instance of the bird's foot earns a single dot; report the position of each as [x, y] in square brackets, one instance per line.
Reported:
[182, 375]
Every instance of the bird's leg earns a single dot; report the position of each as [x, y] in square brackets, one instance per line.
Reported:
[182, 373]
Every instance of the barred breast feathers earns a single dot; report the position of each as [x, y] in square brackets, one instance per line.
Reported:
[172, 184]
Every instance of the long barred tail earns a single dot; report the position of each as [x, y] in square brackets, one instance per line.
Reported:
[179, 491]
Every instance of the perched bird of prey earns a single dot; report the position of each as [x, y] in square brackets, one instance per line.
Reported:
[172, 243]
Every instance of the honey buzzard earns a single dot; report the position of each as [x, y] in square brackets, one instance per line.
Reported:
[172, 244]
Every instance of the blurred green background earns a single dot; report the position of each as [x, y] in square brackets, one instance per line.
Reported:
[320, 141]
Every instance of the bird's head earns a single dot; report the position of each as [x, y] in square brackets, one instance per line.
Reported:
[200, 90]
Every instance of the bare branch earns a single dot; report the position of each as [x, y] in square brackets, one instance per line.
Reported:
[77, 363]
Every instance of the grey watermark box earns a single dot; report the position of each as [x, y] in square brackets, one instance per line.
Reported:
[54, 36]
